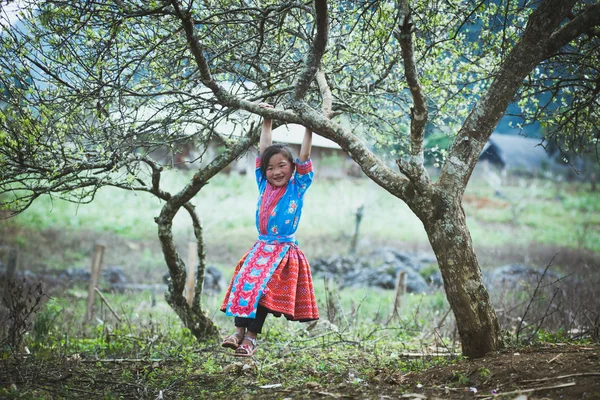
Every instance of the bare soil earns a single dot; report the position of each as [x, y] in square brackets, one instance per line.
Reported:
[556, 371]
[553, 371]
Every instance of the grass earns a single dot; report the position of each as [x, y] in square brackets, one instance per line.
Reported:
[533, 211]
[364, 344]
[360, 349]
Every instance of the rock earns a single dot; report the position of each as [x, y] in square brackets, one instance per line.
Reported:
[114, 275]
[415, 261]
[75, 274]
[512, 275]
[212, 279]
[379, 269]
[111, 274]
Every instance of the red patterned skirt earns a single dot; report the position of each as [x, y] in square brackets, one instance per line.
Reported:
[290, 290]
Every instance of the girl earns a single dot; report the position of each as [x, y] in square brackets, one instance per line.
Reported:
[273, 276]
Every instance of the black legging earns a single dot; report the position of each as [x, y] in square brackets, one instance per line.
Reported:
[253, 324]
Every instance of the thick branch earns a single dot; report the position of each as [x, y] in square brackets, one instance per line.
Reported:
[223, 97]
[202, 177]
[194, 43]
[302, 114]
[371, 165]
[313, 59]
[418, 113]
[529, 51]
[414, 169]
[585, 22]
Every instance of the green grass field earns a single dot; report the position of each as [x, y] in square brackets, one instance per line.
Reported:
[528, 222]
[560, 214]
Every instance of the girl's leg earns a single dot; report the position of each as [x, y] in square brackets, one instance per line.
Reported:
[256, 324]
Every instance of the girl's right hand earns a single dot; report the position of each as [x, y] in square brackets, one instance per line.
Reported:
[265, 105]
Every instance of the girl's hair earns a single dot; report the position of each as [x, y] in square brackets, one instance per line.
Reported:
[270, 152]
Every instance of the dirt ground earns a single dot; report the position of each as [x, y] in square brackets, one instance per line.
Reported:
[557, 371]
[554, 371]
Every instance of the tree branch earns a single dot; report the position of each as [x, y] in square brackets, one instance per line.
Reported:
[371, 165]
[529, 51]
[302, 114]
[313, 60]
[584, 22]
[418, 113]
[414, 169]
[325, 93]
[199, 285]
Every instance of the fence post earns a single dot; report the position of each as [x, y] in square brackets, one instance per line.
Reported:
[95, 274]
[400, 290]
[359, 216]
[190, 277]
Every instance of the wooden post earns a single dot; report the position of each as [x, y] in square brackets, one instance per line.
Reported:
[190, 278]
[400, 290]
[359, 215]
[95, 274]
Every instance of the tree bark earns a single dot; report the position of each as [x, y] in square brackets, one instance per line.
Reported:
[192, 317]
[450, 239]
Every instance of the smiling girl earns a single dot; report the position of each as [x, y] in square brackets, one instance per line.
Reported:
[274, 275]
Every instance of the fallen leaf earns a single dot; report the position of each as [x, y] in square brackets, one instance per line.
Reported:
[246, 367]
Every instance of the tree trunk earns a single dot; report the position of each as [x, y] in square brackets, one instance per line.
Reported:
[192, 317]
[196, 321]
[450, 239]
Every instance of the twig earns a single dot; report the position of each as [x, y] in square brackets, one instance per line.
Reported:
[564, 385]
[541, 321]
[554, 358]
[439, 325]
[537, 287]
[108, 304]
[561, 376]
[120, 360]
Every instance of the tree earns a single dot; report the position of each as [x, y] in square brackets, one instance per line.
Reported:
[390, 66]
[85, 101]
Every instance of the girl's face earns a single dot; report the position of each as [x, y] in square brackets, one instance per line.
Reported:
[279, 170]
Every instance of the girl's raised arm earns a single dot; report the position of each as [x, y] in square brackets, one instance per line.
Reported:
[266, 135]
[306, 146]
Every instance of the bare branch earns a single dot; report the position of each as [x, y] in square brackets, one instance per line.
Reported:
[418, 113]
[313, 59]
[325, 93]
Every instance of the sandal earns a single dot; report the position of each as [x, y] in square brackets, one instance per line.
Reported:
[231, 342]
[246, 350]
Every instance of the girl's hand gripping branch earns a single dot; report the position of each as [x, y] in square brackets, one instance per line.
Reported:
[266, 135]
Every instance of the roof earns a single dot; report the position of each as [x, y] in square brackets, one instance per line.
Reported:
[517, 151]
[294, 134]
